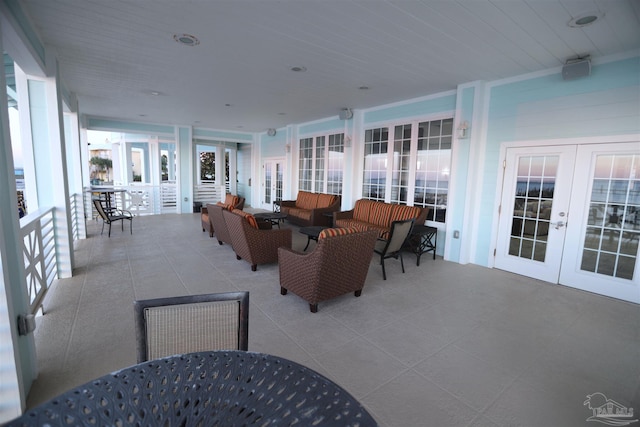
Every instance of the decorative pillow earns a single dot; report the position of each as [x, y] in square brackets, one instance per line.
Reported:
[330, 232]
[230, 199]
[325, 200]
[306, 200]
[225, 206]
[248, 217]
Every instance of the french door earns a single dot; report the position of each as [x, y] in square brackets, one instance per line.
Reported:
[272, 182]
[570, 215]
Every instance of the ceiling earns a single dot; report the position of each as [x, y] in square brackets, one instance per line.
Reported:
[121, 60]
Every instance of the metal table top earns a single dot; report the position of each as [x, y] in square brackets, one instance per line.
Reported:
[219, 388]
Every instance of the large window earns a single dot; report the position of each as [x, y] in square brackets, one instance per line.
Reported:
[415, 171]
[321, 164]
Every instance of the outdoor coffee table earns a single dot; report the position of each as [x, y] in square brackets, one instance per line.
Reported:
[312, 233]
[273, 217]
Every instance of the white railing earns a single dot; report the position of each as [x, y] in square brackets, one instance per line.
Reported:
[39, 248]
[140, 199]
[208, 192]
[75, 204]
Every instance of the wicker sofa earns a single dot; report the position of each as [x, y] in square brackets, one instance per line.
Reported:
[378, 216]
[229, 200]
[310, 208]
[338, 265]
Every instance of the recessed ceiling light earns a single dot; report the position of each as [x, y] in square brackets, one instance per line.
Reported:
[142, 115]
[186, 39]
[364, 88]
[227, 105]
[155, 93]
[585, 19]
[298, 69]
[281, 114]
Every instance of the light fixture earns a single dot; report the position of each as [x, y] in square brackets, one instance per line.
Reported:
[347, 141]
[364, 88]
[271, 132]
[585, 19]
[298, 69]
[462, 129]
[186, 39]
[287, 148]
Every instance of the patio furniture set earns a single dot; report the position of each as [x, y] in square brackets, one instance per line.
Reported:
[340, 260]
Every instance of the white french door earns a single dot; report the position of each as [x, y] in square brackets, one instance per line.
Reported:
[571, 215]
[272, 182]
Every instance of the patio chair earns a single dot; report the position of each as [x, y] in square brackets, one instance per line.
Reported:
[392, 247]
[110, 215]
[254, 245]
[207, 225]
[338, 265]
[187, 324]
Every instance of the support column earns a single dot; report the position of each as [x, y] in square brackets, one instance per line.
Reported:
[49, 153]
[185, 169]
[17, 353]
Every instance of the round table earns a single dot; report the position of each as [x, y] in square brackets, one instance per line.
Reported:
[219, 388]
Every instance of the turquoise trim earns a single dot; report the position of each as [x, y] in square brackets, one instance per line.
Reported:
[423, 107]
[225, 135]
[117, 125]
[25, 25]
[321, 127]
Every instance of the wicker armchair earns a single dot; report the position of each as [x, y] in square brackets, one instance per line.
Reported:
[338, 265]
[204, 212]
[254, 245]
[218, 223]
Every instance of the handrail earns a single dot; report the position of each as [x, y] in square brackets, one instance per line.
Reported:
[39, 248]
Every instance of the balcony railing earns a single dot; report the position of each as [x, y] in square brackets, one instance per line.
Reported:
[39, 248]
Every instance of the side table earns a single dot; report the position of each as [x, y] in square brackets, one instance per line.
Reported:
[312, 233]
[422, 240]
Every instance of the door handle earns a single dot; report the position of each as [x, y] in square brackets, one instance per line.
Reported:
[558, 225]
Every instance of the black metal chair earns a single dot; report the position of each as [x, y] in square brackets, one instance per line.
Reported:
[392, 247]
[110, 215]
[192, 323]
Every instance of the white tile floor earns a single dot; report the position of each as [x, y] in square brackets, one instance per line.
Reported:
[442, 345]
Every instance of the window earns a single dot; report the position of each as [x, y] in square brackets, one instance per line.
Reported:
[433, 162]
[376, 142]
[207, 165]
[321, 164]
[415, 171]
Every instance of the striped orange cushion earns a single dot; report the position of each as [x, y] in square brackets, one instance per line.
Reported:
[231, 199]
[249, 217]
[361, 209]
[306, 200]
[402, 212]
[380, 214]
[330, 232]
[325, 200]
[225, 206]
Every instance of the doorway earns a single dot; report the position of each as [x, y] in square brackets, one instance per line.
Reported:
[272, 182]
[570, 215]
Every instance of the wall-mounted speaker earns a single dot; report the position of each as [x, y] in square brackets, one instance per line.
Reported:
[345, 114]
[576, 69]
[271, 132]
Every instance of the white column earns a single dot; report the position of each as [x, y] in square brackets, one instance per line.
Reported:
[17, 353]
[49, 154]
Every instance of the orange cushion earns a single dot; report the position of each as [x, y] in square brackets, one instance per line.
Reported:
[330, 232]
[225, 206]
[306, 200]
[248, 217]
[380, 214]
[230, 199]
[361, 209]
[325, 200]
[402, 212]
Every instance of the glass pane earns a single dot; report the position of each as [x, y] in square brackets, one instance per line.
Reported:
[611, 237]
[532, 204]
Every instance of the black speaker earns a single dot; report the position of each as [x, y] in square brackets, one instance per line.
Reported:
[576, 69]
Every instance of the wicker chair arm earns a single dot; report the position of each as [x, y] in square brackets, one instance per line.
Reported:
[343, 215]
[288, 203]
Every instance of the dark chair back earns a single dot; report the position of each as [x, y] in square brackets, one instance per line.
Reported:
[187, 324]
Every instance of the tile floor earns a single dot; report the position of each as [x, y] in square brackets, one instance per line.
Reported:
[441, 345]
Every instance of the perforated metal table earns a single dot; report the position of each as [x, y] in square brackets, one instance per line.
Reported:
[221, 388]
